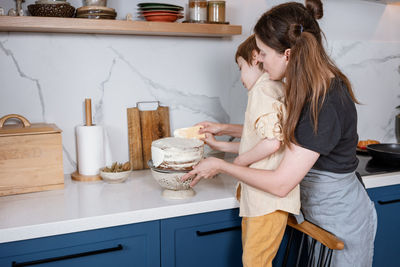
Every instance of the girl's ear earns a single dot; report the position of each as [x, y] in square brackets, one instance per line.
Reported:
[254, 57]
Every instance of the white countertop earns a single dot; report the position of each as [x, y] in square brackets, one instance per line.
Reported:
[84, 206]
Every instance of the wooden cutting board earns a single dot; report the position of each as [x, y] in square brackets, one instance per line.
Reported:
[145, 126]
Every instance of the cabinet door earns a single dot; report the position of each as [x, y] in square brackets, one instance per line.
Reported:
[387, 204]
[210, 239]
[131, 245]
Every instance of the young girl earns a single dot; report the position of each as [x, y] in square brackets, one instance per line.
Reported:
[320, 130]
[264, 215]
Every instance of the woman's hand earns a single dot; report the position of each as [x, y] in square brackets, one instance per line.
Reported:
[207, 168]
[211, 127]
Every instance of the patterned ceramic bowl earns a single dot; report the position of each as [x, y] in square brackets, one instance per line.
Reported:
[52, 10]
[173, 186]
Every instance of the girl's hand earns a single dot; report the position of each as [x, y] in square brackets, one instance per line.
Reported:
[211, 127]
[211, 141]
[207, 168]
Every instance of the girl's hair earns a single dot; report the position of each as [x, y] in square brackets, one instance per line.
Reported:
[308, 73]
[245, 50]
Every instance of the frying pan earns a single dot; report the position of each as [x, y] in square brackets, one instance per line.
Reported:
[385, 152]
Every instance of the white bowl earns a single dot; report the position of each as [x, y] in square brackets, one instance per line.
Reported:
[173, 186]
[115, 177]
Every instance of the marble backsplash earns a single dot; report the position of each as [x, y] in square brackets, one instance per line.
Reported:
[46, 77]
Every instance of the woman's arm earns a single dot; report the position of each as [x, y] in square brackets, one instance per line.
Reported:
[260, 151]
[218, 129]
[295, 164]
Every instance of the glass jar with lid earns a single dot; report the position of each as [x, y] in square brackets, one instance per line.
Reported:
[216, 11]
[197, 11]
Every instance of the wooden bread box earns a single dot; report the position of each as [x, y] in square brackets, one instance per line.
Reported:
[30, 157]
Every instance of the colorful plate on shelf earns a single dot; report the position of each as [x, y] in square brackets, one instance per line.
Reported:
[160, 8]
[163, 17]
[147, 5]
[148, 12]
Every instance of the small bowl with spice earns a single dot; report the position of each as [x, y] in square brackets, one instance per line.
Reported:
[117, 173]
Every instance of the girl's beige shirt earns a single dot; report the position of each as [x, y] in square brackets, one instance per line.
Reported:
[265, 109]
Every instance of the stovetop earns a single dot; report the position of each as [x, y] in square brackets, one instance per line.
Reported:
[369, 166]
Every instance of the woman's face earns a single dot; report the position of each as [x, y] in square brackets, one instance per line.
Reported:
[273, 62]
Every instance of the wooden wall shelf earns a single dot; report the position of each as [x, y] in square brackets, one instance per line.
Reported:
[75, 25]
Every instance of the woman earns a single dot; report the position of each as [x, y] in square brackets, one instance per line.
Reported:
[320, 132]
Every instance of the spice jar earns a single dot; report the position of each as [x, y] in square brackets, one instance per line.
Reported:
[197, 11]
[216, 11]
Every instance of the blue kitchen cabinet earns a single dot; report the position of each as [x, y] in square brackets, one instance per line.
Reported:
[387, 204]
[210, 239]
[130, 245]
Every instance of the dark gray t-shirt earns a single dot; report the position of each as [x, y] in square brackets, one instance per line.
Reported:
[336, 138]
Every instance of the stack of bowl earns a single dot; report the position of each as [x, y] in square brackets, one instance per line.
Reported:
[51, 8]
[160, 12]
[96, 12]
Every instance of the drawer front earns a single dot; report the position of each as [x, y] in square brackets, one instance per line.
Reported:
[133, 245]
[209, 239]
[387, 204]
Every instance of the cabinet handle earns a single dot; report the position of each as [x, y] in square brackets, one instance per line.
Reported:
[388, 201]
[200, 233]
[71, 256]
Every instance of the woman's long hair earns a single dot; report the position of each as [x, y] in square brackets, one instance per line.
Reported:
[309, 70]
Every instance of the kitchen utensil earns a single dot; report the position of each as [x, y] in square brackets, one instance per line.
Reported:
[386, 153]
[159, 12]
[52, 2]
[115, 177]
[151, 166]
[174, 188]
[152, 12]
[144, 126]
[197, 11]
[30, 156]
[96, 12]
[95, 16]
[162, 17]
[158, 5]
[190, 132]
[88, 111]
[216, 12]
[94, 2]
[90, 148]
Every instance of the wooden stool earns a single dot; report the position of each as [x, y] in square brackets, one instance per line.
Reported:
[326, 239]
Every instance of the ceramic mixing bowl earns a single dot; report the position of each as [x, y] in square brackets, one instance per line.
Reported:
[173, 186]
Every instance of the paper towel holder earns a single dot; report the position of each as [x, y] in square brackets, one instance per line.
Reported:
[88, 111]
[76, 175]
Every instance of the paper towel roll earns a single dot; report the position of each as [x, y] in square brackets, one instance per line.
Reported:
[91, 149]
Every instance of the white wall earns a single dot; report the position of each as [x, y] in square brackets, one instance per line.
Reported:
[46, 77]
